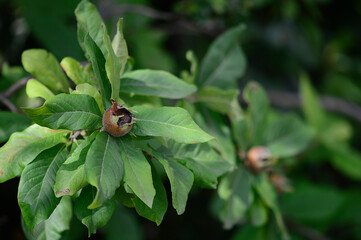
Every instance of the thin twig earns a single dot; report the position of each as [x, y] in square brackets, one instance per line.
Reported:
[4, 97]
[176, 23]
[305, 231]
[7, 103]
[75, 135]
[330, 103]
[116, 10]
[15, 87]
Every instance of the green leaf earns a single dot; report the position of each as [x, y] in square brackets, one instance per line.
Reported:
[224, 62]
[181, 181]
[71, 177]
[251, 232]
[89, 22]
[258, 213]
[268, 195]
[92, 91]
[190, 76]
[123, 197]
[235, 189]
[201, 159]
[77, 72]
[93, 218]
[314, 203]
[24, 146]
[214, 124]
[45, 68]
[155, 83]
[311, 106]
[104, 167]
[160, 203]
[170, 122]
[123, 223]
[346, 160]
[137, 172]
[34, 88]
[10, 123]
[119, 44]
[287, 136]
[68, 111]
[35, 195]
[113, 66]
[258, 107]
[217, 99]
[98, 65]
[55, 225]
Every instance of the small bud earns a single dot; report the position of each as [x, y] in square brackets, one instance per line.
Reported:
[280, 182]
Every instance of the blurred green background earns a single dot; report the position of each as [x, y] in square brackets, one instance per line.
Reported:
[283, 39]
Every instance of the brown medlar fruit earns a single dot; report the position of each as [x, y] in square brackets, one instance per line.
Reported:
[258, 159]
[117, 120]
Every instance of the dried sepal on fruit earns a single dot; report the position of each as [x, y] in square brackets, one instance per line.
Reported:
[117, 120]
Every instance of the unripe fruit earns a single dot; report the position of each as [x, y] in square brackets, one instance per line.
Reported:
[258, 159]
[117, 120]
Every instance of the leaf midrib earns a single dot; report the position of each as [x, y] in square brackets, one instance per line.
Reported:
[141, 186]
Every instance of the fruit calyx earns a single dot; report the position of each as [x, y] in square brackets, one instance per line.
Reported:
[117, 120]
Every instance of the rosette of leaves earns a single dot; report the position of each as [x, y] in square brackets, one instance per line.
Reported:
[64, 155]
[242, 195]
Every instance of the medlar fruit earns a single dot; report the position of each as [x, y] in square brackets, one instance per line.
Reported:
[117, 120]
[258, 159]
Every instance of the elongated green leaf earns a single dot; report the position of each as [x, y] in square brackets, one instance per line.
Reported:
[45, 68]
[258, 107]
[104, 168]
[89, 22]
[130, 229]
[287, 136]
[137, 172]
[224, 62]
[68, 111]
[170, 122]
[93, 218]
[98, 65]
[113, 66]
[181, 181]
[119, 44]
[35, 195]
[235, 189]
[52, 228]
[217, 99]
[160, 203]
[258, 213]
[201, 159]
[346, 160]
[123, 197]
[10, 123]
[311, 106]
[77, 72]
[214, 124]
[155, 83]
[92, 91]
[268, 195]
[24, 146]
[190, 76]
[71, 177]
[316, 203]
[34, 88]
